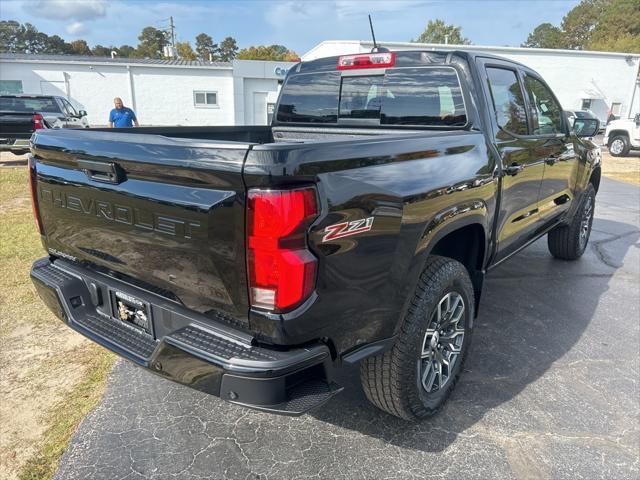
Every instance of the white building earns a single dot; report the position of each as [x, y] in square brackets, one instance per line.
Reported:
[244, 92]
[161, 92]
[582, 80]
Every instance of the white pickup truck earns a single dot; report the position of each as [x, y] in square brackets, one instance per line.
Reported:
[622, 136]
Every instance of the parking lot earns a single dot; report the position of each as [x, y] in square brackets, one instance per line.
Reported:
[550, 391]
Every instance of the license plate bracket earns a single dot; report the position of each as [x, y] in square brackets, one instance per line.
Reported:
[131, 311]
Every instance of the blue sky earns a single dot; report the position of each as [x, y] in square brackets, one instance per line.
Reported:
[298, 24]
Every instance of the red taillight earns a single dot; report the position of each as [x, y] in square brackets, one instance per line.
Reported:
[33, 188]
[367, 60]
[281, 269]
[38, 121]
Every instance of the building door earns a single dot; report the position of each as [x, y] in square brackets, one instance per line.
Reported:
[260, 108]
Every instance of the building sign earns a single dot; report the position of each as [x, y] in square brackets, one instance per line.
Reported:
[280, 71]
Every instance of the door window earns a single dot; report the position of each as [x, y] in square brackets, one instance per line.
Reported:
[508, 101]
[545, 110]
[69, 109]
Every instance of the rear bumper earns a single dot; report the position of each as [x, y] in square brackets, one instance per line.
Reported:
[20, 145]
[186, 348]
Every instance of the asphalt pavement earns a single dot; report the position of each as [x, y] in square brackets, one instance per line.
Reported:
[550, 390]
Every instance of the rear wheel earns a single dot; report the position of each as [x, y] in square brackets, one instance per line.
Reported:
[415, 378]
[619, 146]
[568, 242]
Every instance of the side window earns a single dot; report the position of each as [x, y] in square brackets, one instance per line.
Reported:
[62, 108]
[69, 108]
[547, 114]
[507, 100]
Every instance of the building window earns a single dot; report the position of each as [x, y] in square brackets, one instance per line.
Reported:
[586, 104]
[8, 87]
[205, 99]
[271, 108]
[616, 108]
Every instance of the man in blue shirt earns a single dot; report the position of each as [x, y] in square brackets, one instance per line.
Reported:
[121, 116]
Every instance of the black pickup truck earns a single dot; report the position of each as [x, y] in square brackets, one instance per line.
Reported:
[21, 115]
[251, 262]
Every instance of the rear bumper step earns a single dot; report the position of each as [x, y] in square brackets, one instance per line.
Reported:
[185, 348]
[11, 145]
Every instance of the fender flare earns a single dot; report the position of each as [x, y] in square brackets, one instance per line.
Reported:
[453, 218]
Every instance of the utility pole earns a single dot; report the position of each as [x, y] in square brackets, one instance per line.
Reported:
[172, 28]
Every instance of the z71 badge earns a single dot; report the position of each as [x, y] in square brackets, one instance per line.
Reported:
[346, 229]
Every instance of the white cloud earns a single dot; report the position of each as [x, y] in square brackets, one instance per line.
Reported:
[76, 28]
[347, 8]
[285, 14]
[67, 9]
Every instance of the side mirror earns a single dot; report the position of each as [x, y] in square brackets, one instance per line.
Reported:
[82, 113]
[586, 127]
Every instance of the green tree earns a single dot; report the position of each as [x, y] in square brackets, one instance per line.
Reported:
[546, 35]
[579, 24]
[80, 47]
[607, 25]
[152, 41]
[618, 28]
[291, 56]
[185, 51]
[439, 32]
[11, 35]
[206, 48]
[228, 49]
[101, 51]
[55, 45]
[31, 40]
[278, 53]
[125, 51]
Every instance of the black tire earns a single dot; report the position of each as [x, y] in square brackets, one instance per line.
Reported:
[621, 146]
[568, 242]
[393, 381]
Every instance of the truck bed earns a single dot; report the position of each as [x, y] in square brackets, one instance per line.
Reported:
[168, 215]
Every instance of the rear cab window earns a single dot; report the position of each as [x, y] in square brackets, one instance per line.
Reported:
[428, 96]
[28, 105]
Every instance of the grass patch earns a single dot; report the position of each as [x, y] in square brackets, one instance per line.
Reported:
[52, 377]
[67, 414]
[627, 177]
[14, 183]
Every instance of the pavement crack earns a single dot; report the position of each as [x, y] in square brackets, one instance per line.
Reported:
[602, 255]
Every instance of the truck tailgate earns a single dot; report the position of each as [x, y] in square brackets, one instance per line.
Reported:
[165, 214]
[16, 125]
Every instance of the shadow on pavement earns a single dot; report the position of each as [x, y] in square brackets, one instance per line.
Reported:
[550, 390]
[534, 309]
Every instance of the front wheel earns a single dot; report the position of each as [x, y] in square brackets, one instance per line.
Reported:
[415, 378]
[568, 242]
[619, 146]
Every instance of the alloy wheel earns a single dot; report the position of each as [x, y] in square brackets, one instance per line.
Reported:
[585, 222]
[616, 147]
[442, 343]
